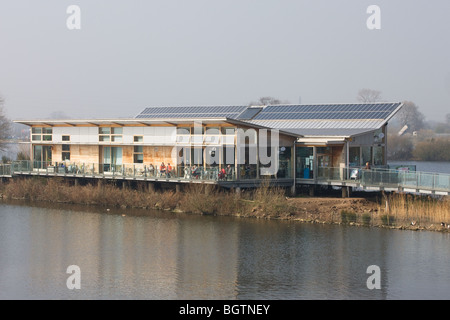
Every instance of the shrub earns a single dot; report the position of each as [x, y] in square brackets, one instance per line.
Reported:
[348, 216]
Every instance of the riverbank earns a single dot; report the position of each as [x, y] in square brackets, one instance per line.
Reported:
[398, 211]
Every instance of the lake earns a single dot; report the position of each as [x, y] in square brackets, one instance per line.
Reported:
[426, 166]
[137, 254]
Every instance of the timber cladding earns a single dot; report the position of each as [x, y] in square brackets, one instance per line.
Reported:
[78, 153]
[156, 155]
[152, 155]
[91, 154]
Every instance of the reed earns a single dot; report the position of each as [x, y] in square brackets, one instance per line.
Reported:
[407, 208]
[202, 199]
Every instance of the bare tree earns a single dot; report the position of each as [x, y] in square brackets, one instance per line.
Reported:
[5, 126]
[368, 95]
[410, 115]
[265, 101]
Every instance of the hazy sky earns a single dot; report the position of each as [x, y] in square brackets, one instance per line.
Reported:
[132, 54]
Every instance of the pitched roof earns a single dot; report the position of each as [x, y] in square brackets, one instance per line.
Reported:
[345, 119]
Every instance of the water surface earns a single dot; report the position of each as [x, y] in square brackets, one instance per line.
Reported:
[160, 255]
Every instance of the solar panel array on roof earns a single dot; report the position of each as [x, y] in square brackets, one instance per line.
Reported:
[249, 114]
[193, 112]
[328, 112]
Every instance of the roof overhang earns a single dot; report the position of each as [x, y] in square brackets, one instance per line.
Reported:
[148, 122]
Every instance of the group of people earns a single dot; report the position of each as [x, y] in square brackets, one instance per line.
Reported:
[195, 172]
[167, 171]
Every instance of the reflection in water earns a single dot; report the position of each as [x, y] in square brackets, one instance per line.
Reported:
[159, 255]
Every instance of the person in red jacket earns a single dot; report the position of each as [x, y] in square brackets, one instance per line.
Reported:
[169, 170]
[162, 168]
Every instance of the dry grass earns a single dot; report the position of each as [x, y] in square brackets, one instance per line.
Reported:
[407, 208]
[202, 199]
[265, 201]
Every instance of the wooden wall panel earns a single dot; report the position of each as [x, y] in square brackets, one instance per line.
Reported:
[127, 154]
[156, 155]
[84, 153]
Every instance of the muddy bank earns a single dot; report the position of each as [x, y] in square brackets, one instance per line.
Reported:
[359, 212]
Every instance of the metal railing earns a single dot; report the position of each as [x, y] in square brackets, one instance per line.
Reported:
[376, 177]
[102, 170]
[387, 178]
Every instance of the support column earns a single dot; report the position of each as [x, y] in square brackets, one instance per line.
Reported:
[293, 190]
[178, 188]
[312, 189]
[151, 187]
[345, 192]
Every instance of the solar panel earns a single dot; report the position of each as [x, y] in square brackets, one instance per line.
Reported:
[249, 113]
[323, 112]
[192, 112]
[277, 112]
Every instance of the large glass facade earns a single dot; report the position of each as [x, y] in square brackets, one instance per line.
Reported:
[42, 156]
[285, 163]
[366, 155]
[378, 156]
[354, 156]
[304, 163]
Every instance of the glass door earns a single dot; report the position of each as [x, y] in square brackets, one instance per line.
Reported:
[42, 156]
[304, 162]
[112, 159]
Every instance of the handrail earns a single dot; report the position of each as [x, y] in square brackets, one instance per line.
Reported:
[381, 177]
[375, 177]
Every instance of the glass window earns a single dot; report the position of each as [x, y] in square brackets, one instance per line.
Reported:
[65, 138]
[304, 162]
[366, 155]
[110, 134]
[183, 131]
[354, 156]
[138, 139]
[112, 158]
[212, 131]
[197, 156]
[284, 170]
[378, 156]
[41, 134]
[116, 130]
[228, 131]
[65, 155]
[197, 130]
[138, 156]
[228, 155]
[103, 130]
